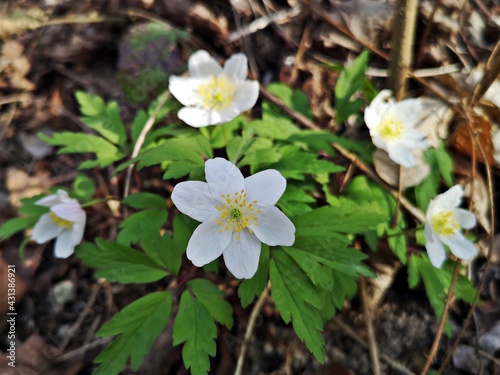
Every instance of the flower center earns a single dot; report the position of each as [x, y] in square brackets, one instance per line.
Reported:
[390, 128]
[236, 213]
[218, 93]
[444, 223]
[60, 222]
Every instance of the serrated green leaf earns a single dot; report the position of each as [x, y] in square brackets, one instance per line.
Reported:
[280, 129]
[212, 298]
[250, 288]
[350, 80]
[138, 325]
[294, 99]
[294, 201]
[90, 105]
[141, 225]
[297, 299]
[80, 143]
[120, 263]
[145, 200]
[196, 328]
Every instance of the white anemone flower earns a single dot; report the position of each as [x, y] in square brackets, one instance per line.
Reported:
[442, 226]
[212, 94]
[392, 127]
[237, 214]
[65, 221]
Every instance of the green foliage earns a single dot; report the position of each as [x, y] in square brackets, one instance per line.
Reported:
[119, 263]
[368, 194]
[17, 224]
[80, 143]
[351, 79]
[141, 225]
[83, 188]
[294, 99]
[437, 283]
[103, 118]
[194, 325]
[251, 288]
[441, 166]
[145, 200]
[138, 325]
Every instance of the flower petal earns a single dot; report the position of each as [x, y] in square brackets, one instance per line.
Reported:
[274, 228]
[45, 229]
[236, 68]
[223, 177]
[266, 187]
[466, 219]
[71, 211]
[193, 198]
[242, 255]
[53, 199]
[401, 155]
[450, 199]
[246, 95]
[460, 246]
[184, 89]
[196, 117]
[201, 64]
[207, 243]
[408, 111]
[377, 108]
[67, 240]
[435, 248]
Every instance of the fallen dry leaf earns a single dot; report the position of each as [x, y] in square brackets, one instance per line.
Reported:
[389, 171]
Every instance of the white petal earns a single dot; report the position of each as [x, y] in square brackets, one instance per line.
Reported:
[67, 240]
[196, 117]
[451, 198]
[207, 243]
[246, 95]
[242, 255]
[460, 246]
[45, 229]
[401, 155]
[184, 89]
[236, 68]
[223, 177]
[435, 248]
[53, 199]
[377, 108]
[466, 219]
[408, 111]
[193, 198]
[413, 138]
[266, 187]
[273, 227]
[201, 64]
[71, 211]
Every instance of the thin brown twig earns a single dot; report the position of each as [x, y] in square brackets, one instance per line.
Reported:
[370, 333]
[250, 327]
[390, 361]
[442, 322]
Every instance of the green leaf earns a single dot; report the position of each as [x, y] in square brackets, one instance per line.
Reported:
[119, 263]
[280, 129]
[83, 187]
[15, 225]
[104, 119]
[212, 298]
[350, 80]
[298, 300]
[445, 164]
[80, 143]
[139, 121]
[295, 99]
[141, 225]
[250, 288]
[294, 200]
[196, 328]
[138, 325]
[145, 200]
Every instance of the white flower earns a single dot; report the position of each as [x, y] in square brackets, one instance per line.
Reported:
[213, 95]
[442, 226]
[237, 214]
[66, 221]
[392, 127]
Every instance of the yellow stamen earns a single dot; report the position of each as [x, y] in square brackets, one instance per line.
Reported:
[445, 223]
[390, 128]
[60, 222]
[236, 213]
[217, 93]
